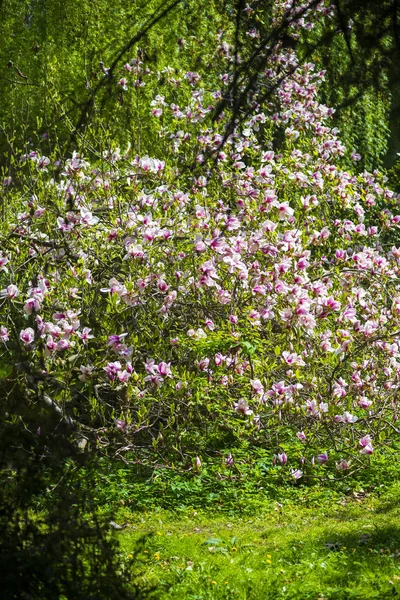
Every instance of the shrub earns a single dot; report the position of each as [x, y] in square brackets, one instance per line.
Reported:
[241, 287]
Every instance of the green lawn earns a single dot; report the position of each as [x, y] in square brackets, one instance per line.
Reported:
[347, 548]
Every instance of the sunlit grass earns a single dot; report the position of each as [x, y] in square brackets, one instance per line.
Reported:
[347, 549]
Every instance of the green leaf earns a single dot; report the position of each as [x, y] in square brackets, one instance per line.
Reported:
[213, 541]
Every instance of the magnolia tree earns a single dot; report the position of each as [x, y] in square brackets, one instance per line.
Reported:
[233, 289]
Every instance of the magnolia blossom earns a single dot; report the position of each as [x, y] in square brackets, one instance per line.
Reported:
[197, 335]
[10, 292]
[122, 83]
[3, 261]
[312, 408]
[284, 210]
[164, 369]
[86, 372]
[115, 340]
[242, 408]
[124, 375]
[364, 402]
[210, 324]
[4, 336]
[87, 218]
[219, 359]
[346, 417]
[291, 358]
[282, 458]
[27, 336]
[86, 335]
[322, 458]
[31, 305]
[63, 344]
[112, 369]
[339, 388]
[296, 474]
[366, 445]
[343, 465]
[229, 460]
[203, 363]
[157, 372]
[50, 345]
[257, 387]
[367, 449]
[120, 425]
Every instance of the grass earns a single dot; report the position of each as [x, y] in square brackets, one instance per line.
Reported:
[340, 548]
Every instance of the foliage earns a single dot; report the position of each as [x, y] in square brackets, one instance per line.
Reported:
[55, 82]
[55, 59]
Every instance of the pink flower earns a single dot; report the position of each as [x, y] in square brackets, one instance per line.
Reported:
[291, 358]
[112, 369]
[301, 435]
[282, 458]
[229, 460]
[86, 335]
[122, 82]
[4, 334]
[124, 376]
[339, 388]
[312, 408]
[63, 345]
[364, 402]
[210, 324]
[345, 418]
[331, 303]
[150, 366]
[203, 364]
[257, 386]
[86, 372]
[31, 305]
[115, 340]
[364, 441]
[3, 262]
[285, 211]
[164, 369]
[241, 407]
[341, 254]
[87, 218]
[10, 292]
[50, 345]
[27, 336]
[162, 285]
[200, 246]
[343, 465]
[120, 425]
[296, 473]
[156, 380]
[322, 458]
[367, 449]
[219, 359]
